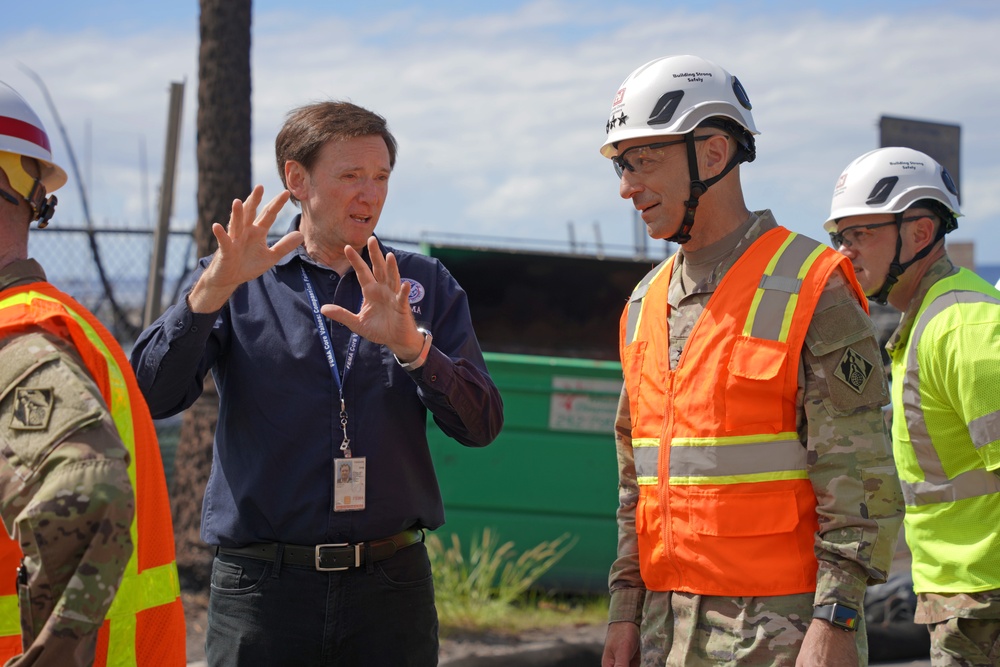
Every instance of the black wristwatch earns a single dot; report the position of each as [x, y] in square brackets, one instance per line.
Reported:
[841, 616]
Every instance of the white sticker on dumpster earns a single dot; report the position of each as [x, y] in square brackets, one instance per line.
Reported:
[591, 410]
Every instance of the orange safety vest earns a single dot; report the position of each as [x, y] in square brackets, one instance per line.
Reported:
[725, 504]
[145, 624]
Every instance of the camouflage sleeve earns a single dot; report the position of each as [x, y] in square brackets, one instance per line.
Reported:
[625, 581]
[65, 496]
[859, 501]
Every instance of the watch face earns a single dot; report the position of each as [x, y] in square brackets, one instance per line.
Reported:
[845, 617]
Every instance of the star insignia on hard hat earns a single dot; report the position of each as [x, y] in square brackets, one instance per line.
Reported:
[622, 118]
[854, 370]
[32, 409]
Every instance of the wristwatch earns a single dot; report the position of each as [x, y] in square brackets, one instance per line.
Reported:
[424, 350]
[840, 615]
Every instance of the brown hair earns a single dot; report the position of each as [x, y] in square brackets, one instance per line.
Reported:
[308, 128]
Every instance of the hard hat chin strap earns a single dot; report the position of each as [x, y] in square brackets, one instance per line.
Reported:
[42, 208]
[897, 268]
[698, 186]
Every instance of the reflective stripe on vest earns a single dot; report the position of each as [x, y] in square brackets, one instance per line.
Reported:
[157, 585]
[936, 486]
[711, 489]
[734, 460]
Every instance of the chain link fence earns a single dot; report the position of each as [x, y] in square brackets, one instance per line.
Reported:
[107, 271]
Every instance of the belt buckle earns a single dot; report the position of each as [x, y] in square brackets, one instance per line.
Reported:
[357, 557]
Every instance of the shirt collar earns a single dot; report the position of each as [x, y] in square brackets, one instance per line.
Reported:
[941, 268]
[21, 272]
[724, 251]
[300, 250]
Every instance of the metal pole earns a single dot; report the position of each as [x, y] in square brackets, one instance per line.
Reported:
[154, 286]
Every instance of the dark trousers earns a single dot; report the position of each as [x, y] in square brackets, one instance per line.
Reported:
[269, 614]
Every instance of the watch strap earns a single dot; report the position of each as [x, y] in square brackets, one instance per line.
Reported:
[424, 351]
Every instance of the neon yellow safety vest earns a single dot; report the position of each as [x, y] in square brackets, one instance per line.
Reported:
[946, 435]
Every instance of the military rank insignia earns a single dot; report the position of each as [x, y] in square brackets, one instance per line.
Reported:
[854, 370]
[32, 409]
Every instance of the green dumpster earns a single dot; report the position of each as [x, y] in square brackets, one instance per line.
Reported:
[548, 325]
[551, 472]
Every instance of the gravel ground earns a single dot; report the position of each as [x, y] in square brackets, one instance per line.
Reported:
[571, 646]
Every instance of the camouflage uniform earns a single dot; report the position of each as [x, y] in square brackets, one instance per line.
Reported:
[964, 627]
[65, 494]
[859, 503]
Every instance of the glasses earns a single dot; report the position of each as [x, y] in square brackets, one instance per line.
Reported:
[859, 234]
[645, 158]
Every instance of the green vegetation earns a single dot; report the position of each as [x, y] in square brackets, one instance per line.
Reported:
[492, 588]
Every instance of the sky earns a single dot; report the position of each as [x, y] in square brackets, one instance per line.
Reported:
[500, 107]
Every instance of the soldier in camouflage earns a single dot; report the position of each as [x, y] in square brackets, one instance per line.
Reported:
[65, 495]
[890, 212]
[838, 418]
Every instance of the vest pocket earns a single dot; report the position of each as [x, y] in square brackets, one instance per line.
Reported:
[743, 514]
[755, 385]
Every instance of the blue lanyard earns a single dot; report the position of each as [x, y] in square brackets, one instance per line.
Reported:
[331, 359]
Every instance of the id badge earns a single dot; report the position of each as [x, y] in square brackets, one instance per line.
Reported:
[349, 484]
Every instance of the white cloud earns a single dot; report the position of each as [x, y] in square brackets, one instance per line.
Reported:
[500, 115]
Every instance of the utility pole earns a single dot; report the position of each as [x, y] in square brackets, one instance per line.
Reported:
[154, 285]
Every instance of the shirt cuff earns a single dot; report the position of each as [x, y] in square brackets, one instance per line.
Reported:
[626, 605]
[842, 582]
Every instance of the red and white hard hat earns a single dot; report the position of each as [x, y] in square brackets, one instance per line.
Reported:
[22, 133]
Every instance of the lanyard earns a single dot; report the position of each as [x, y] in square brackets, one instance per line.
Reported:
[331, 359]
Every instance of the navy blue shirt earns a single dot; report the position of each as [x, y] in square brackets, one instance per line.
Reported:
[279, 433]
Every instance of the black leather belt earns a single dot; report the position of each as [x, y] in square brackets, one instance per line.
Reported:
[329, 557]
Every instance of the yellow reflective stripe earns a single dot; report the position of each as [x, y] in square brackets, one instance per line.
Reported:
[647, 481]
[121, 641]
[757, 458]
[154, 587]
[759, 293]
[646, 458]
[631, 335]
[741, 479]
[645, 442]
[793, 299]
[734, 440]
[10, 617]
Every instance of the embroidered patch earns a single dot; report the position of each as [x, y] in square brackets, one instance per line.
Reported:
[854, 370]
[416, 290]
[32, 409]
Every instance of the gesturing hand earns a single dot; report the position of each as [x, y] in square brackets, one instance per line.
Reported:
[385, 316]
[243, 252]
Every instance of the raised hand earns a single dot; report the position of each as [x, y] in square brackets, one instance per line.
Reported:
[385, 316]
[243, 252]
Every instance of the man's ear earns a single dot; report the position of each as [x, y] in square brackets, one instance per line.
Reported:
[715, 155]
[922, 233]
[296, 179]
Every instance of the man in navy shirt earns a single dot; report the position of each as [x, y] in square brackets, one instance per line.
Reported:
[327, 348]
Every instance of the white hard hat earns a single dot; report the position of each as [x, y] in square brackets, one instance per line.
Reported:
[890, 180]
[22, 133]
[673, 95]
